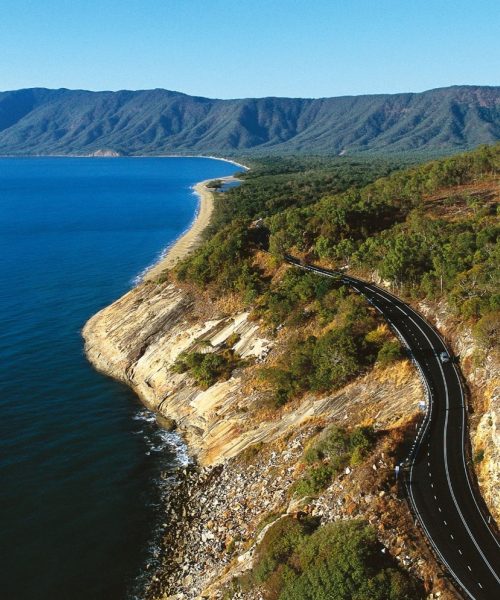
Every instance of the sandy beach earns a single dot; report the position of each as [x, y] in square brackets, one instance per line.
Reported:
[192, 238]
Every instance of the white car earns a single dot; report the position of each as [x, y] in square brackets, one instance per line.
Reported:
[444, 357]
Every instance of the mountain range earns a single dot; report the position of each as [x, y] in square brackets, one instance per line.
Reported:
[39, 121]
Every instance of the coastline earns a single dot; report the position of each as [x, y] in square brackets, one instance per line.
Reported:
[213, 515]
[244, 464]
[148, 370]
[98, 154]
[191, 238]
[186, 243]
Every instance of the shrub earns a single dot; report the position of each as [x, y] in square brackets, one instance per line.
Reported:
[318, 364]
[362, 438]
[335, 448]
[479, 456]
[487, 330]
[336, 441]
[207, 368]
[279, 543]
[342, 561]
[389, 352]
[296, 560]
[283, 386]
[232, 340]
[315, 480]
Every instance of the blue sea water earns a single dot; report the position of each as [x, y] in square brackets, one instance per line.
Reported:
[80, 460]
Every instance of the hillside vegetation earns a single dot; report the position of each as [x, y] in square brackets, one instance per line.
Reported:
[293, 386]
[339, 561]
[435, 122]
[430, 231]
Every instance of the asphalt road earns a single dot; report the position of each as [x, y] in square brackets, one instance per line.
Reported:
[437, 480]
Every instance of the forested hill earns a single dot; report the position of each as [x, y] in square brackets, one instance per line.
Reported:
[440, 121]
[431, 232]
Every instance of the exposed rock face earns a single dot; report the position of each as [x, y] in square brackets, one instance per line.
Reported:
[214, 515]
[105, 153]
[138, 338]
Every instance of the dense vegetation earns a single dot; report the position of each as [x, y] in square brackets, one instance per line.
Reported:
[389, 227]
[297, 560]
[350, 337]
[273, 185]
[41, 121]
[276, 184]
[431, 230]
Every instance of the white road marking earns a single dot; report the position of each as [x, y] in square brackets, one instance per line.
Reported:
[445, 439]
[463, 435]
[445, 435]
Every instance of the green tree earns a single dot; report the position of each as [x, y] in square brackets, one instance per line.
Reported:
[342, 561]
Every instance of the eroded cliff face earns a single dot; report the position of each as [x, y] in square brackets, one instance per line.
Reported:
[138, 338]
[215, 514]
[215, 519]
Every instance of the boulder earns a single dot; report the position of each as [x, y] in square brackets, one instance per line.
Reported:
[166, 422]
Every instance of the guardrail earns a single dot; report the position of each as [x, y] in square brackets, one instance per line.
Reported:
[429, 404]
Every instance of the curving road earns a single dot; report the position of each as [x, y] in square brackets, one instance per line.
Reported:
[436, 476]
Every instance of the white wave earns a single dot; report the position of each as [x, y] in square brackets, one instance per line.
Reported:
[159, 440]
[145, 415]
[177, 457]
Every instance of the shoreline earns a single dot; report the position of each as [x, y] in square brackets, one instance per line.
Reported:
[228, 160]
[188, 241]
[192, 237]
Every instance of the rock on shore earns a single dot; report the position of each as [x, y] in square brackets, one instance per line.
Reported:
[248, 458]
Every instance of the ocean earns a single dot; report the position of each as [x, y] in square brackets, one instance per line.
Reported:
[82, 464]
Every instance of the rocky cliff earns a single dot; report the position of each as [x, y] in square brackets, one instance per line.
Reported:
[138, 338]
[216, 514]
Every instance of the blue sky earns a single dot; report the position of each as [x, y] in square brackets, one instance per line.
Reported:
[224, 49]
